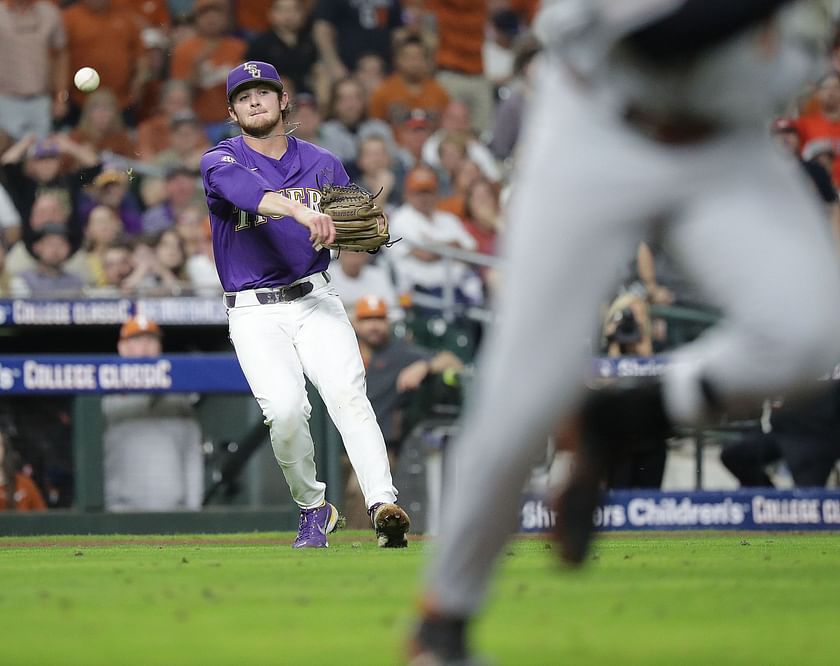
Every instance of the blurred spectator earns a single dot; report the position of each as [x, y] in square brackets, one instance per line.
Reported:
[149, 274]
[152, 442]
[181, 192]
[344, 30]
[452, 154]
[35, 76]
[306, 119]
[456, 120]
[627, 327]
[420, 224]
[101, 231]
[10, 227]
[410, 87]
[107, 38]
[379, 172]
[171, 254]
[482, 214]
[395, 369]
[116, 268]
[461, 25]
[17, 491]
[153, 134]
[412, 134]
[355, 275]
[157, 48]
[816, 159]
[468, 172]
[193, 225]
[514, 98]
[51, 207]
[204, 62]
[497, 52]
[49, 277]
[348, 124]
[31, 166]
[805, 435]
[183, 25]
[187, 143]
[101, 126]
[288, 44]
[370, 72]
[627, 331]
[111, 188]
[824, 123]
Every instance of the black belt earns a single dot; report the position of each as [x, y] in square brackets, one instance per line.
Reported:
[279, 294]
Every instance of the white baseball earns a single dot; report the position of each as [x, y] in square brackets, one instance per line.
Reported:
[86, 79]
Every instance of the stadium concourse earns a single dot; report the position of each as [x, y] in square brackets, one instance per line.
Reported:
[102, 217]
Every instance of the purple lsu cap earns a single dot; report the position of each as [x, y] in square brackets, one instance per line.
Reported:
[251, 73]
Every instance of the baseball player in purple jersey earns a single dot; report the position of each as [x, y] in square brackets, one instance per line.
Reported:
[285, 320]
[645, 112]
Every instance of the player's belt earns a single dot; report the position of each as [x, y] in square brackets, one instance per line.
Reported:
[272, 295]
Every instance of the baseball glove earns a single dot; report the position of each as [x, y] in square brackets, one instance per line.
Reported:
[360, 223]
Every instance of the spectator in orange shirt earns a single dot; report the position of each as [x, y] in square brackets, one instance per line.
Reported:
[101, 126]
[409, 87]
[204, 62]
[106, 38]
[824, 123]
[17, 491]
[461, 26]
[150, 13]
[251, 18]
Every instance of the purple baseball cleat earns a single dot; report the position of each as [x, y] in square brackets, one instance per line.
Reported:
[390, 523]
[314, 526]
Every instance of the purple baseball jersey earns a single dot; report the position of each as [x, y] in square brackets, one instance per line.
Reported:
[252, 251]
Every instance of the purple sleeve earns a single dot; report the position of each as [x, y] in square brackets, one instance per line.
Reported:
[340, 176]
[226, 179]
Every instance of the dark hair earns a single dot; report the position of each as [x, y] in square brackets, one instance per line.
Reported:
[9, 469]
[412, 40]
[334, 94]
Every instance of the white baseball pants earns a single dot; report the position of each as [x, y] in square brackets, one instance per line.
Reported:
[276, 345]
[742, 221]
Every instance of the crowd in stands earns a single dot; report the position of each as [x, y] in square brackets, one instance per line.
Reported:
[422, 100]
[100, 193]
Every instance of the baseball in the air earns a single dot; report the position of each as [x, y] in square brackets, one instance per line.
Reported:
[86, 79]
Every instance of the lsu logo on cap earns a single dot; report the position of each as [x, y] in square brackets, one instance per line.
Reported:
[252, 69]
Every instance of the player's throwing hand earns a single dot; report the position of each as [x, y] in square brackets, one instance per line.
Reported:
[321, 227]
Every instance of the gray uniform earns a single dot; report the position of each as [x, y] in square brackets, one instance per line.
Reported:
[153, 459]
[741, 221]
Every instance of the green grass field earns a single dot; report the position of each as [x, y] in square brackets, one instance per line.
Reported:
[250, 599]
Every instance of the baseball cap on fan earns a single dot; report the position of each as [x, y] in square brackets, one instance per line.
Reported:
[139, 325]
[251, 73]
[371, 307]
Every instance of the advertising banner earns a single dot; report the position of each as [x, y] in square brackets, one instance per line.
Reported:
[756, 509]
